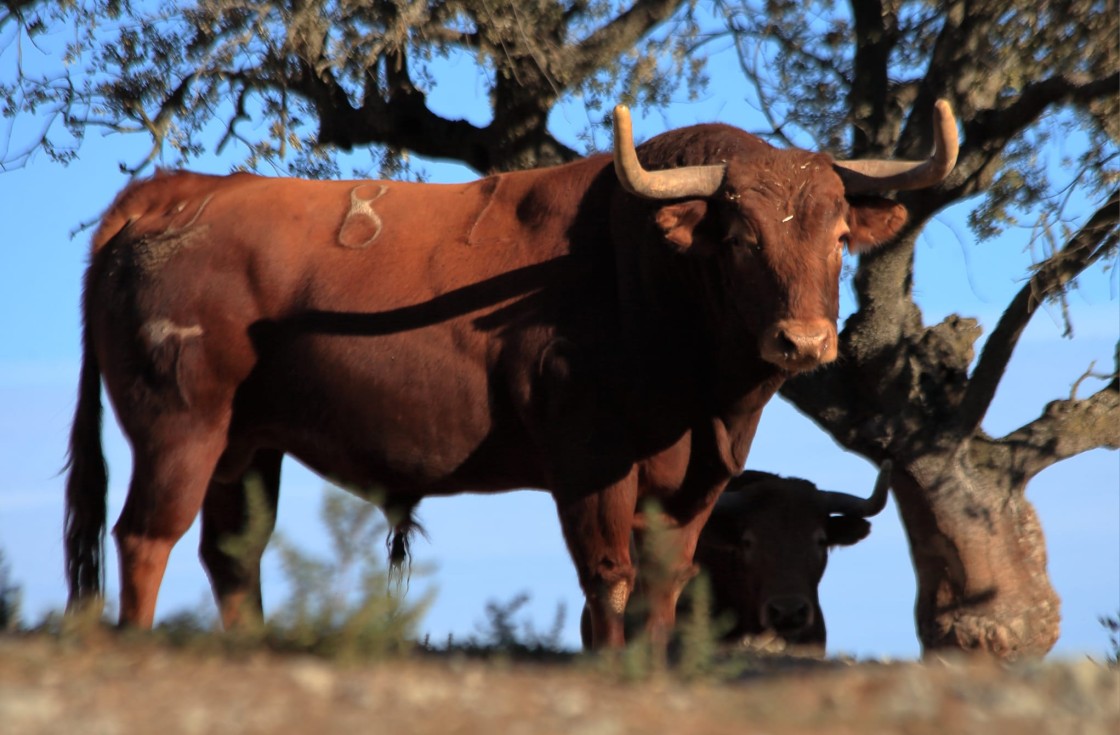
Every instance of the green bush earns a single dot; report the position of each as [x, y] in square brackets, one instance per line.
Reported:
[345, 605]
[10, 599]
[1112, 625]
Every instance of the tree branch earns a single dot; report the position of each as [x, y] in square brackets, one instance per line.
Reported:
[10, 9]
[1066, 428]
[616, 37]
[399, 116]
[1096, 238]
[876, 35]
[1005, 121]
[989, 130]
[760, 35]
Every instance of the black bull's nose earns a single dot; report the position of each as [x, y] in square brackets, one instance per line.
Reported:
[787, 614]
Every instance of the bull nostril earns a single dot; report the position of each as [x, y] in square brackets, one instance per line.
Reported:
[786, 345]
[794, 345]
[788, 614]
[799, 345]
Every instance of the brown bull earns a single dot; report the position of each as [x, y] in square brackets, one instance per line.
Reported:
[607, 333]
[765, 548]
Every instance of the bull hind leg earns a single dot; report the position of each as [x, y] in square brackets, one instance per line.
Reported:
[238, 518]
[172, 465]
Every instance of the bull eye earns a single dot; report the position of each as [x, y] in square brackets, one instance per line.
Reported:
[821, 539]
[747, 543]
[744, 244]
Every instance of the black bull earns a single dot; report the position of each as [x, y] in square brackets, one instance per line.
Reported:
[764, 551]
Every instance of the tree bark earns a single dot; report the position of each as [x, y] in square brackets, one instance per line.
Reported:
[979, 556]
[911, 393]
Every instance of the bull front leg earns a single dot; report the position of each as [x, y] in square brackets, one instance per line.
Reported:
[667, 547]
[596, 527]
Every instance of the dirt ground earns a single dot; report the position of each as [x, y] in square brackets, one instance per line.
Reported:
[114, 687]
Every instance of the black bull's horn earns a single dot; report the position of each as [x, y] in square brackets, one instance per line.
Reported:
[851, 505]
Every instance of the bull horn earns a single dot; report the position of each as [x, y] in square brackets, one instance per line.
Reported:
[676, 183]
[850, 505]
[879, 175]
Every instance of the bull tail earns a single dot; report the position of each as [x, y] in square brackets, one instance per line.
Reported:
[399, 544]
[86, 488]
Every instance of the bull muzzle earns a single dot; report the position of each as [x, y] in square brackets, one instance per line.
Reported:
[797, 345]
[787, 615]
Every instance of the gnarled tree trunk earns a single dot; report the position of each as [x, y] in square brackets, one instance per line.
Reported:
[912, 394]
[980, 559]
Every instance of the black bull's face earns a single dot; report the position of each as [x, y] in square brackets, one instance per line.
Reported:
[765, 549]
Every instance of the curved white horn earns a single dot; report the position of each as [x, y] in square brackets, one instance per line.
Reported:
[891, 175]
[676, 183]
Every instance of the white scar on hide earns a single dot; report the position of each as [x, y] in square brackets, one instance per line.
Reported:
[158, 331]
[183, 205]
[620, 593]
[362, 224]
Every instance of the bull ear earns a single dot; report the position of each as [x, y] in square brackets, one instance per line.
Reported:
[678, 222]
[720, 532]
[847, 530]
[873, 221]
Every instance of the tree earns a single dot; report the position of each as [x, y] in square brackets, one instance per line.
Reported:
[1016, 73]
[329, 77]
[15, 10]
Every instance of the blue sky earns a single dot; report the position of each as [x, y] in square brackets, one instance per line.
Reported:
[491, 548]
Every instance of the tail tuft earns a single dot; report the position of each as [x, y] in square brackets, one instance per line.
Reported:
[399, 543]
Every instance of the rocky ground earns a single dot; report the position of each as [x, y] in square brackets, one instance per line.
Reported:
[114, 686]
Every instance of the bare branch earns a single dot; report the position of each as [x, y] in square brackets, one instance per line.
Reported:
[750, 69]
[239, 115]
[1099, 236]
[765, 106]
[1088, 374]
[1066, 428]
